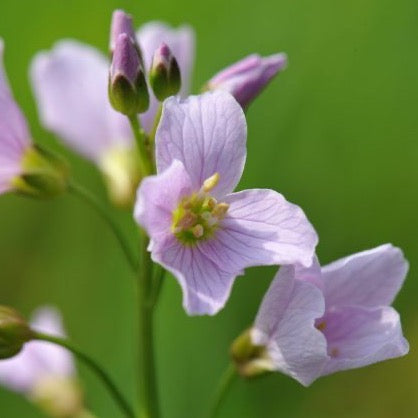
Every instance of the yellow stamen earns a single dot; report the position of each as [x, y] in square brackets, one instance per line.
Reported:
[211, 183]
[220, 210]
[198, 231]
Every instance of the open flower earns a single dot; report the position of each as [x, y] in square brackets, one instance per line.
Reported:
[45, 372]
[24, 167]
[71, 87]
[14, 134]
[248, 77]
[201, 231]
[317, 321]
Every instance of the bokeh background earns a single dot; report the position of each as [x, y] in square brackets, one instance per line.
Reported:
[337, 133]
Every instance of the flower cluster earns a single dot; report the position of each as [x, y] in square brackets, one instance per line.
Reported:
[175, 160]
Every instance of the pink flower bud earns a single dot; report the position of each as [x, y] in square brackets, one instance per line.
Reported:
[247, 78]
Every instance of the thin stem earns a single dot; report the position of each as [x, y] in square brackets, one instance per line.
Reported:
[148, 396]
[156, 122]
[100, 372]
[158, 283]
[224, 386]
[144, 159]
[90, 199]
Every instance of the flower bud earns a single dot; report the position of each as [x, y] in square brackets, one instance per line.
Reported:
[247, 78]
[121, 23]
[128, 91]
[250, 360]
[165, 78]
[14, 332]
[44, 174]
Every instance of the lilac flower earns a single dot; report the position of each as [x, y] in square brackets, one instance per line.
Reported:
[39, 364]
[248, 77]
[14, 134]
[71, 87]
[70, 84]
[317, 321]
[200, 231]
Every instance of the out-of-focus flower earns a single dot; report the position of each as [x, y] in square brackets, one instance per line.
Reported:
[165, 78]
[317, 321]
[71, 87]
[24, 167]
[45, 372]
[248, 77]
[128, 91]
[200, 231]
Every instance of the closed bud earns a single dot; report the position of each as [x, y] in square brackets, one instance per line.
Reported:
[165, 78]
[247, 78]
[251, 360]
[14, 332]
[128, 91]
[44, 174]
[121, 23]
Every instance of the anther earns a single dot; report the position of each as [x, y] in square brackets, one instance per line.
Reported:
[198, 231]
[210, 183]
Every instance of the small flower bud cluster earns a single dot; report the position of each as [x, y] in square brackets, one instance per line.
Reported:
[128, 91]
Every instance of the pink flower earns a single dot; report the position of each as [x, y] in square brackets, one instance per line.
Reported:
[317, 321]
[200, 231]
[15, 138]
[248, 77]
[38, 360]
[71, 87]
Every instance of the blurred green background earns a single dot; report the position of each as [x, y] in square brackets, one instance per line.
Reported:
[336, 133]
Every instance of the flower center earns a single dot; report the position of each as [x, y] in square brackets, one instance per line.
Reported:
[197, 216]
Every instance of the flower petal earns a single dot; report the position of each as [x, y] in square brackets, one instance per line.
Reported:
[157, 198]
[359, 336]
[181, 41]
[70, 84]
[369, 278]
[38, 359]
[262, 228]
[206, 286]
[285, 324]
[14, 133]
[207, 133]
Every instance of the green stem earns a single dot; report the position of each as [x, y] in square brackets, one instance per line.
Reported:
[148, 396]
[158, 283]
[90, 199]
[144, 158]
[156, 122]
[222, 390]
[101, 374]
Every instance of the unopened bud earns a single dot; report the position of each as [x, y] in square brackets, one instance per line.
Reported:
[247, 78]
[128, 91]
[121, 23]
[250, 360]
[44, 174]
[14, 332]
[165, 78]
